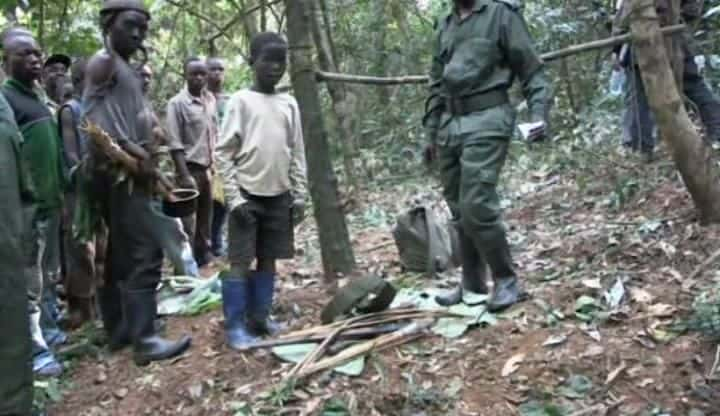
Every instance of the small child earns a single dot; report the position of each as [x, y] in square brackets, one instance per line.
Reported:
[261, 158]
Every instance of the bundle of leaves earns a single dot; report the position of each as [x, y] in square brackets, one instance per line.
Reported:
[705, 317]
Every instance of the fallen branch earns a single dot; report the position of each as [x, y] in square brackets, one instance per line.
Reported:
[714, 367]
[550, 56]
[710, 260]
[593, 410]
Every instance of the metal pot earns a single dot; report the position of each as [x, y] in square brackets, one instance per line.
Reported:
[180, 203]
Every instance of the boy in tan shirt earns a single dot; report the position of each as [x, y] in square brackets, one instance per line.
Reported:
[261, 158]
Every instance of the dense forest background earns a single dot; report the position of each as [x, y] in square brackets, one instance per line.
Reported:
[378, 37]
[609, 247]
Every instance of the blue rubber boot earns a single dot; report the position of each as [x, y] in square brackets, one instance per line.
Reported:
[263, 288]
[236, 296]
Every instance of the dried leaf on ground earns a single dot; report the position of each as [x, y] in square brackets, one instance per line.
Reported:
[513, 364]
[555, 340]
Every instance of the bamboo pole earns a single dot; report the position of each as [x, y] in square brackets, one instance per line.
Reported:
[406, 334]
[547, 57]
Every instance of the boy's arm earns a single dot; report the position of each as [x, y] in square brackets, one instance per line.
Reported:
[298, 164]
[229, 145]
[70, 139]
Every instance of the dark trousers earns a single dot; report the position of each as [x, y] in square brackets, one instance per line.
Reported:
[197, 226]
[639, 123]
[219, 216]
[133, 257]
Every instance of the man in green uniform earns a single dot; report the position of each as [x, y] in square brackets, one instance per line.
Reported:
[16, 382]
[481, 47]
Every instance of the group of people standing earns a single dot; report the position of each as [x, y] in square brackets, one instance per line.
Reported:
[247, 147]
[252, 142]
[639, 130]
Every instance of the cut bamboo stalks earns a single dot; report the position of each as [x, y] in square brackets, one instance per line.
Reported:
[317, 352]
[407, 334]
[348, 335]
[369, 320]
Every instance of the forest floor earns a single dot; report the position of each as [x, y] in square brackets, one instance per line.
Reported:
[579, 222]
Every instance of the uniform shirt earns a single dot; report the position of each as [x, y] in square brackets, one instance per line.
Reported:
[16, 383]
[485, 52]
[192, 126]
[42, 148]
[261, 149]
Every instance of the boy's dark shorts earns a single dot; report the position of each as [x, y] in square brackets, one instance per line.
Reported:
[267, 233]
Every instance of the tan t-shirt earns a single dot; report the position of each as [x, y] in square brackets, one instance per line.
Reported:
[261, 147]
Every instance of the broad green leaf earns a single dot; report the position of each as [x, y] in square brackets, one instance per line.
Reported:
[451, 327]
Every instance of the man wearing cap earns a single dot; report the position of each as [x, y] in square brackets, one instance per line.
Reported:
[54, 76]
[114, 101]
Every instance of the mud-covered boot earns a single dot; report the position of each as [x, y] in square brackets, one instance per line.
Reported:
[263, 289]
[474, 272]
[236, 298]
[148, 346]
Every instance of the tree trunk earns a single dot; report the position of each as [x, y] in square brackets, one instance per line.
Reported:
[337, 254]
[41, 24]
[343, 100]
[693, 157]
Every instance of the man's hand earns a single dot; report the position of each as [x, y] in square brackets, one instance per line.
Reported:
[146, 168]
[298, 212]
[186, 182]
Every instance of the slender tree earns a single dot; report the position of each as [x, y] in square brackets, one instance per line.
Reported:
[693, 157]
[337, 254]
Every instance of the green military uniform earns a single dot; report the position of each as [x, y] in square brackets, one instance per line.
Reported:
[471, 121]
[16, 382]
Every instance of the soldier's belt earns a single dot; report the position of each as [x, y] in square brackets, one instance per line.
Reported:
[479, 102]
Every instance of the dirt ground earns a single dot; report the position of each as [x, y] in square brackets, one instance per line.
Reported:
[567, 243]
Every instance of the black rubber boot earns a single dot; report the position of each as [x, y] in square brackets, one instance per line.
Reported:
[474, 272]
[507, 290]
[141, 309]
[505, 294]
[262, 285]
[110, 302]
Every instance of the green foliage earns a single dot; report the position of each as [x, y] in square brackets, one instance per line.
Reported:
[705, 317]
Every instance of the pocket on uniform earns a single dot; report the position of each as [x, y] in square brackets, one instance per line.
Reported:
[473, 59]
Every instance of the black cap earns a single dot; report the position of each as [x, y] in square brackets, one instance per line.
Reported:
[110, 6]
[58, 58]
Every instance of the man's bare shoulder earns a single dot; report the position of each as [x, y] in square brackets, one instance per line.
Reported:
[100, 68]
